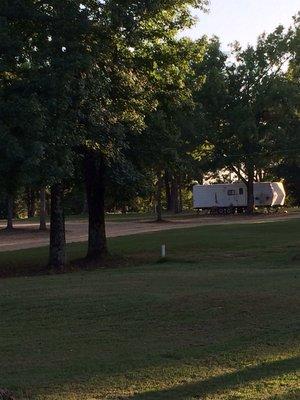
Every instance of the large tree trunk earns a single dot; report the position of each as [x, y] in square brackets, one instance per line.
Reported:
[10, 212]
[43, 212]
[250, 190]
[180, 200]
[168, 191]
[30, 202]
[158, 198]
[85, 208]
[57, 253]
[48, 204]
[174, 196]
[95, 193]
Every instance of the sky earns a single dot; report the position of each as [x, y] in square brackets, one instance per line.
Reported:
[243, 20]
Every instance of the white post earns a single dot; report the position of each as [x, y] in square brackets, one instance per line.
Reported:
[163, 251]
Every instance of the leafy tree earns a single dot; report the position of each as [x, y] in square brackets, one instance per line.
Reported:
[289, 164]
[89, 63]
[164, 143]
[21, 114]
[246, 104]
[119, 91]
[43, 56]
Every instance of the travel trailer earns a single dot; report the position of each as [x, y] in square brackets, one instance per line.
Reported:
[227, 198]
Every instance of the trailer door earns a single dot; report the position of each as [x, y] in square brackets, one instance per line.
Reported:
[242, 196]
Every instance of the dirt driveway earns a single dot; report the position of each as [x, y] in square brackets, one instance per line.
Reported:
[27, 235]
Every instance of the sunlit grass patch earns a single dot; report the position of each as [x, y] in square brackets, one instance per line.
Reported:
[218, 320]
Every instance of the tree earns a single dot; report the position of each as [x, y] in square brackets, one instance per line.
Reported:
[89, 63]
[21, 123]
[42, 209]
[21, 115]
[59, 55]
[246, 103]
[118, 89]
[288, 167]
[43, 56]
[164, 143]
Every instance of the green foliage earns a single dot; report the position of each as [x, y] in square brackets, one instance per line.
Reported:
[247, 104]
[113, 77]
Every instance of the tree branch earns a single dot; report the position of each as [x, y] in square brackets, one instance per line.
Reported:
[236, 171]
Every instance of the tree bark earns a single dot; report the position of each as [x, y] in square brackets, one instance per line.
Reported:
[158, 199]
[250, 190]
[30, 202]
[201, 178]
[168, 191]
[10, 212]
[95, 193]
[85, 208]
[180, 204]
[57, 253]
[48, 204]
[174, 196]
[43, 225]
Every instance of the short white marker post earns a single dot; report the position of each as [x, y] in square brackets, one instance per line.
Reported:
[163, 251]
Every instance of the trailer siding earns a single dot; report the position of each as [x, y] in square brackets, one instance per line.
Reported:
[266, 194]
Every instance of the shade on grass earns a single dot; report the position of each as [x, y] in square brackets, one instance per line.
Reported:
[219, 320]
[268, 243]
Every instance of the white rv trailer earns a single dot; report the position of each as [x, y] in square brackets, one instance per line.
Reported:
[221, 197]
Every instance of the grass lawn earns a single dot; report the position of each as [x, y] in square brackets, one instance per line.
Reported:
[116, 217]
[135, 216]
[219, 320]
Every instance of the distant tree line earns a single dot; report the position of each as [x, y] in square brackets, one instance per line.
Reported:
[103, 107]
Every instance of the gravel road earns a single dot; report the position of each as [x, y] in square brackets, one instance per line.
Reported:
[27, 235]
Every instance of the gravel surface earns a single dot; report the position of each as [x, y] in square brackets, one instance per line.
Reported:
[27, 235]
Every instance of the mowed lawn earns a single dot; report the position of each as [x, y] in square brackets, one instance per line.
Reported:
[219, 320]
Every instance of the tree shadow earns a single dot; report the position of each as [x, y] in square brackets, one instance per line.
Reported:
[222, 382]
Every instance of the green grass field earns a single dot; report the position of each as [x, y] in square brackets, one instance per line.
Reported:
[219, 320]
[117, 217]
[137, 216]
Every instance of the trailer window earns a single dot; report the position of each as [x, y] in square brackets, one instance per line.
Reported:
[241, 191]
[231, 192]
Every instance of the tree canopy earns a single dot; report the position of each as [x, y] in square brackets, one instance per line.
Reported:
[105, 96]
